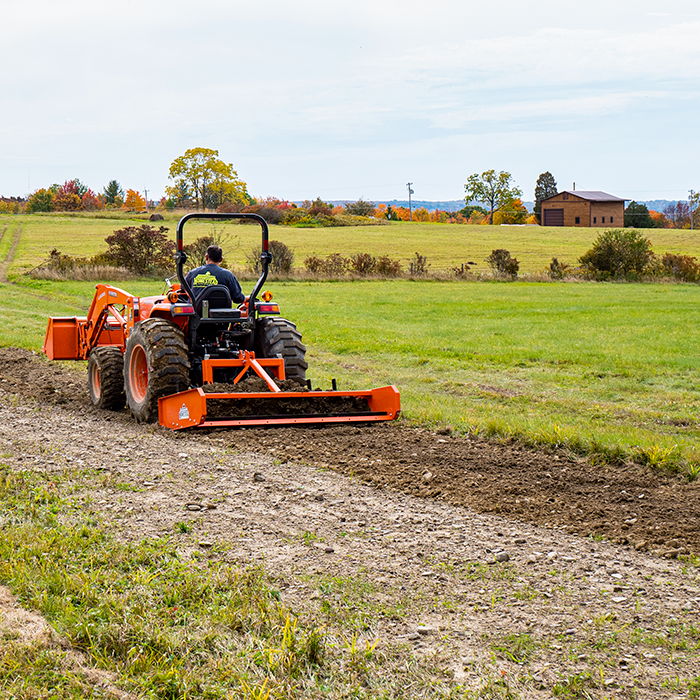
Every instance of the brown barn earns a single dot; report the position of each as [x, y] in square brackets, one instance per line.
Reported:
[581, 208]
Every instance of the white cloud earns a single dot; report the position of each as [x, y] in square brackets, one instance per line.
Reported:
[326, 92]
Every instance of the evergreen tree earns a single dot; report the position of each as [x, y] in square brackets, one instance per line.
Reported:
[546, 187]
[114, 194]
[638, 216]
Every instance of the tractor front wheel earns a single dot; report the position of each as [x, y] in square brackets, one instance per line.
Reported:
[278, 336]
[155, 365]
[106, 378]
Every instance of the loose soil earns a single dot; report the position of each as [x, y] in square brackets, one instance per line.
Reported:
[628, 504]
[478, 540]
[277, 406]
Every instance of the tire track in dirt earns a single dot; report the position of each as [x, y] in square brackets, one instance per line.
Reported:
[629, 504]
[5, 264]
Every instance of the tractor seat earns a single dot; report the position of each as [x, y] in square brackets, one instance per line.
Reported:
[219, 306]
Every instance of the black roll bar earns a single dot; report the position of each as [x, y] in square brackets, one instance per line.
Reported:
[265, 255]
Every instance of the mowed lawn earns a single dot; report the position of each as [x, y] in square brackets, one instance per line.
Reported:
[446, 246]
[607, 369]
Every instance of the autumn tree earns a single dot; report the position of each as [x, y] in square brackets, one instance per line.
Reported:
[694, 206]
[90, 201]
[546, 187]
[69, 196]
[114, 194]
[41, 200]
[515, 213]
[134, 200]
[206, 179]
[492, 189]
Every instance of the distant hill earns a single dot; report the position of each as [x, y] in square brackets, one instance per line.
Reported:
[444, 205]
[457, 204]
[656, 204]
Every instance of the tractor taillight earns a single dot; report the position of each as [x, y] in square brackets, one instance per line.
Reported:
[182, 309]
[268, 308]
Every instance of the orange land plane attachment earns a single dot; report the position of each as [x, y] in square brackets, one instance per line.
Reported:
[201, 407]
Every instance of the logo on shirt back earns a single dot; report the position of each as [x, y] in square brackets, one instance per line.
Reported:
[206, 280]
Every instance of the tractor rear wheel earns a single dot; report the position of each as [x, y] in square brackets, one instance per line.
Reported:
[155, 365]
[106, 378]
[278, 336]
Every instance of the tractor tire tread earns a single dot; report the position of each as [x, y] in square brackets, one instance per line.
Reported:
[109, 362]
[168, 372]
[278, 336]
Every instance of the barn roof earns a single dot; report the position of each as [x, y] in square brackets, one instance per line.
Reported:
[591, 195]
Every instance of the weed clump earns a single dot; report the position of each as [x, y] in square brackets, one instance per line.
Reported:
[558, 270]
[501, 262]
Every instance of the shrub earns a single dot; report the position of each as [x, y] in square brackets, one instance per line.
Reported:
[196, 250]
[388, 267]
[360, 208]
[313, 264]
[282, 258]
[618, 253]
[558, 269]
[228, 207]
[144, 250]
[682, 267]
[363, 263]
[335, 265]
[501, 262]
[318, 208]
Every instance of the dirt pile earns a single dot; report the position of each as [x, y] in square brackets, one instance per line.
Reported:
[277, 406]
[632, 505]
[29, 374]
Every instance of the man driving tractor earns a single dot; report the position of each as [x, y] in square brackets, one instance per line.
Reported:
[212, 274]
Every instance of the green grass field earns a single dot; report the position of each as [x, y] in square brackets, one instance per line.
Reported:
[603, 369]
[445, 245]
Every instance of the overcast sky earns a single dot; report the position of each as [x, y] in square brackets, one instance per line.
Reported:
[353, 99]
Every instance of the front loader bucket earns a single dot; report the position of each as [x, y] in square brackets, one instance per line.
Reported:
[195, 408]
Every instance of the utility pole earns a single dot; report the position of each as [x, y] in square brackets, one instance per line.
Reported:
[410, 192]
[146, 193]
[690, 206]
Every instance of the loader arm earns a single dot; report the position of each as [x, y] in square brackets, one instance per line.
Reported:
[102, 310]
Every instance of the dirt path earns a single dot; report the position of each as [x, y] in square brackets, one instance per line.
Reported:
[5, 264]
[649, 510]
[427, 536]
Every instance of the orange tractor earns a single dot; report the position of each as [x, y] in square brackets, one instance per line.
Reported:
[179, 358]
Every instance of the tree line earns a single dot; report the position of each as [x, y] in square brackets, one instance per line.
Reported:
[201, 180]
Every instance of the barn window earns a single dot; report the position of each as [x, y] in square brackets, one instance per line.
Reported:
[603, 219]
[611, 219]
[595, 219]
[578, 219]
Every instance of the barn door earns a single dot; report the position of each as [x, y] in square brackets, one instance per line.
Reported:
[553, 217]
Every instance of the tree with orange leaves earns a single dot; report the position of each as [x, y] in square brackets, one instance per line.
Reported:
[134, 200]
